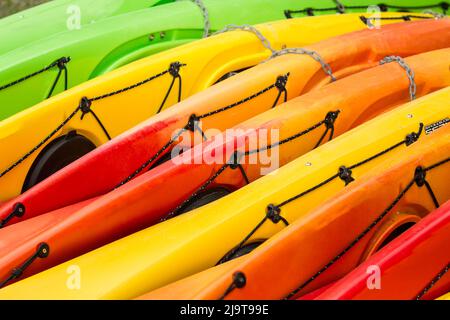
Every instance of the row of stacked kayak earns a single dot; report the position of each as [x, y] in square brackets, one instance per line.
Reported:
[225, 150]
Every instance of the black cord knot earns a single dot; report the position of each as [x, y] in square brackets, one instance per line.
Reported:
[235, 163]
[420, 176]
[345, 174]
[383, 7]
[192, 123]
[273, 213]
[287, 14]
[235, 160]
[331, 118]
[309, 11]
[61, 63]
[85, 106]
[414, 136]
[174, 69]
[239, 279]
[329, 122]
[281, 82]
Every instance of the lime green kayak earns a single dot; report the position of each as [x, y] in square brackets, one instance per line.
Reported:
[42, 68]
[60, 16]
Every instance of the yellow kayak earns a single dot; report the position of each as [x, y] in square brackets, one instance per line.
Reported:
[71, 126]
[445, 297]
[199, 239]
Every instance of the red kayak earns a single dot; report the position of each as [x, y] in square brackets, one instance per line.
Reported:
[416, 265]
[223, 106]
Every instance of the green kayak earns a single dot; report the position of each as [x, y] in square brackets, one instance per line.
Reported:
[60, 16]
[42, 68]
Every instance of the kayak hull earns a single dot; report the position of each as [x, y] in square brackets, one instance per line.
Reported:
[117, 43]
[205, 235]
[111, 163]
[357, 206]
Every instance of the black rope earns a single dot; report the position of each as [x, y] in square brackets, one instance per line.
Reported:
[40, 144]
[42, 252]
[368, 20]
[234, 163]
[193, 125]
[419, 177]
[383, 7]
[18, 211]
[139, 84]
[353, 243]
[328, 121]
[273, 213]
[443, 5]
[85, 107]
[61, 63]
[343, 172]
[202, 188]
[155, 157]
[239, 281]
[433, 282]
[409, 140]
[281, 86]
[311, 11]
[280, 79]
[174, 71]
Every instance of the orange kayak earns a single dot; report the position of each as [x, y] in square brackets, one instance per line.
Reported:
[223, 106]
[360, 220]
[176, 187]
[414, 266]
